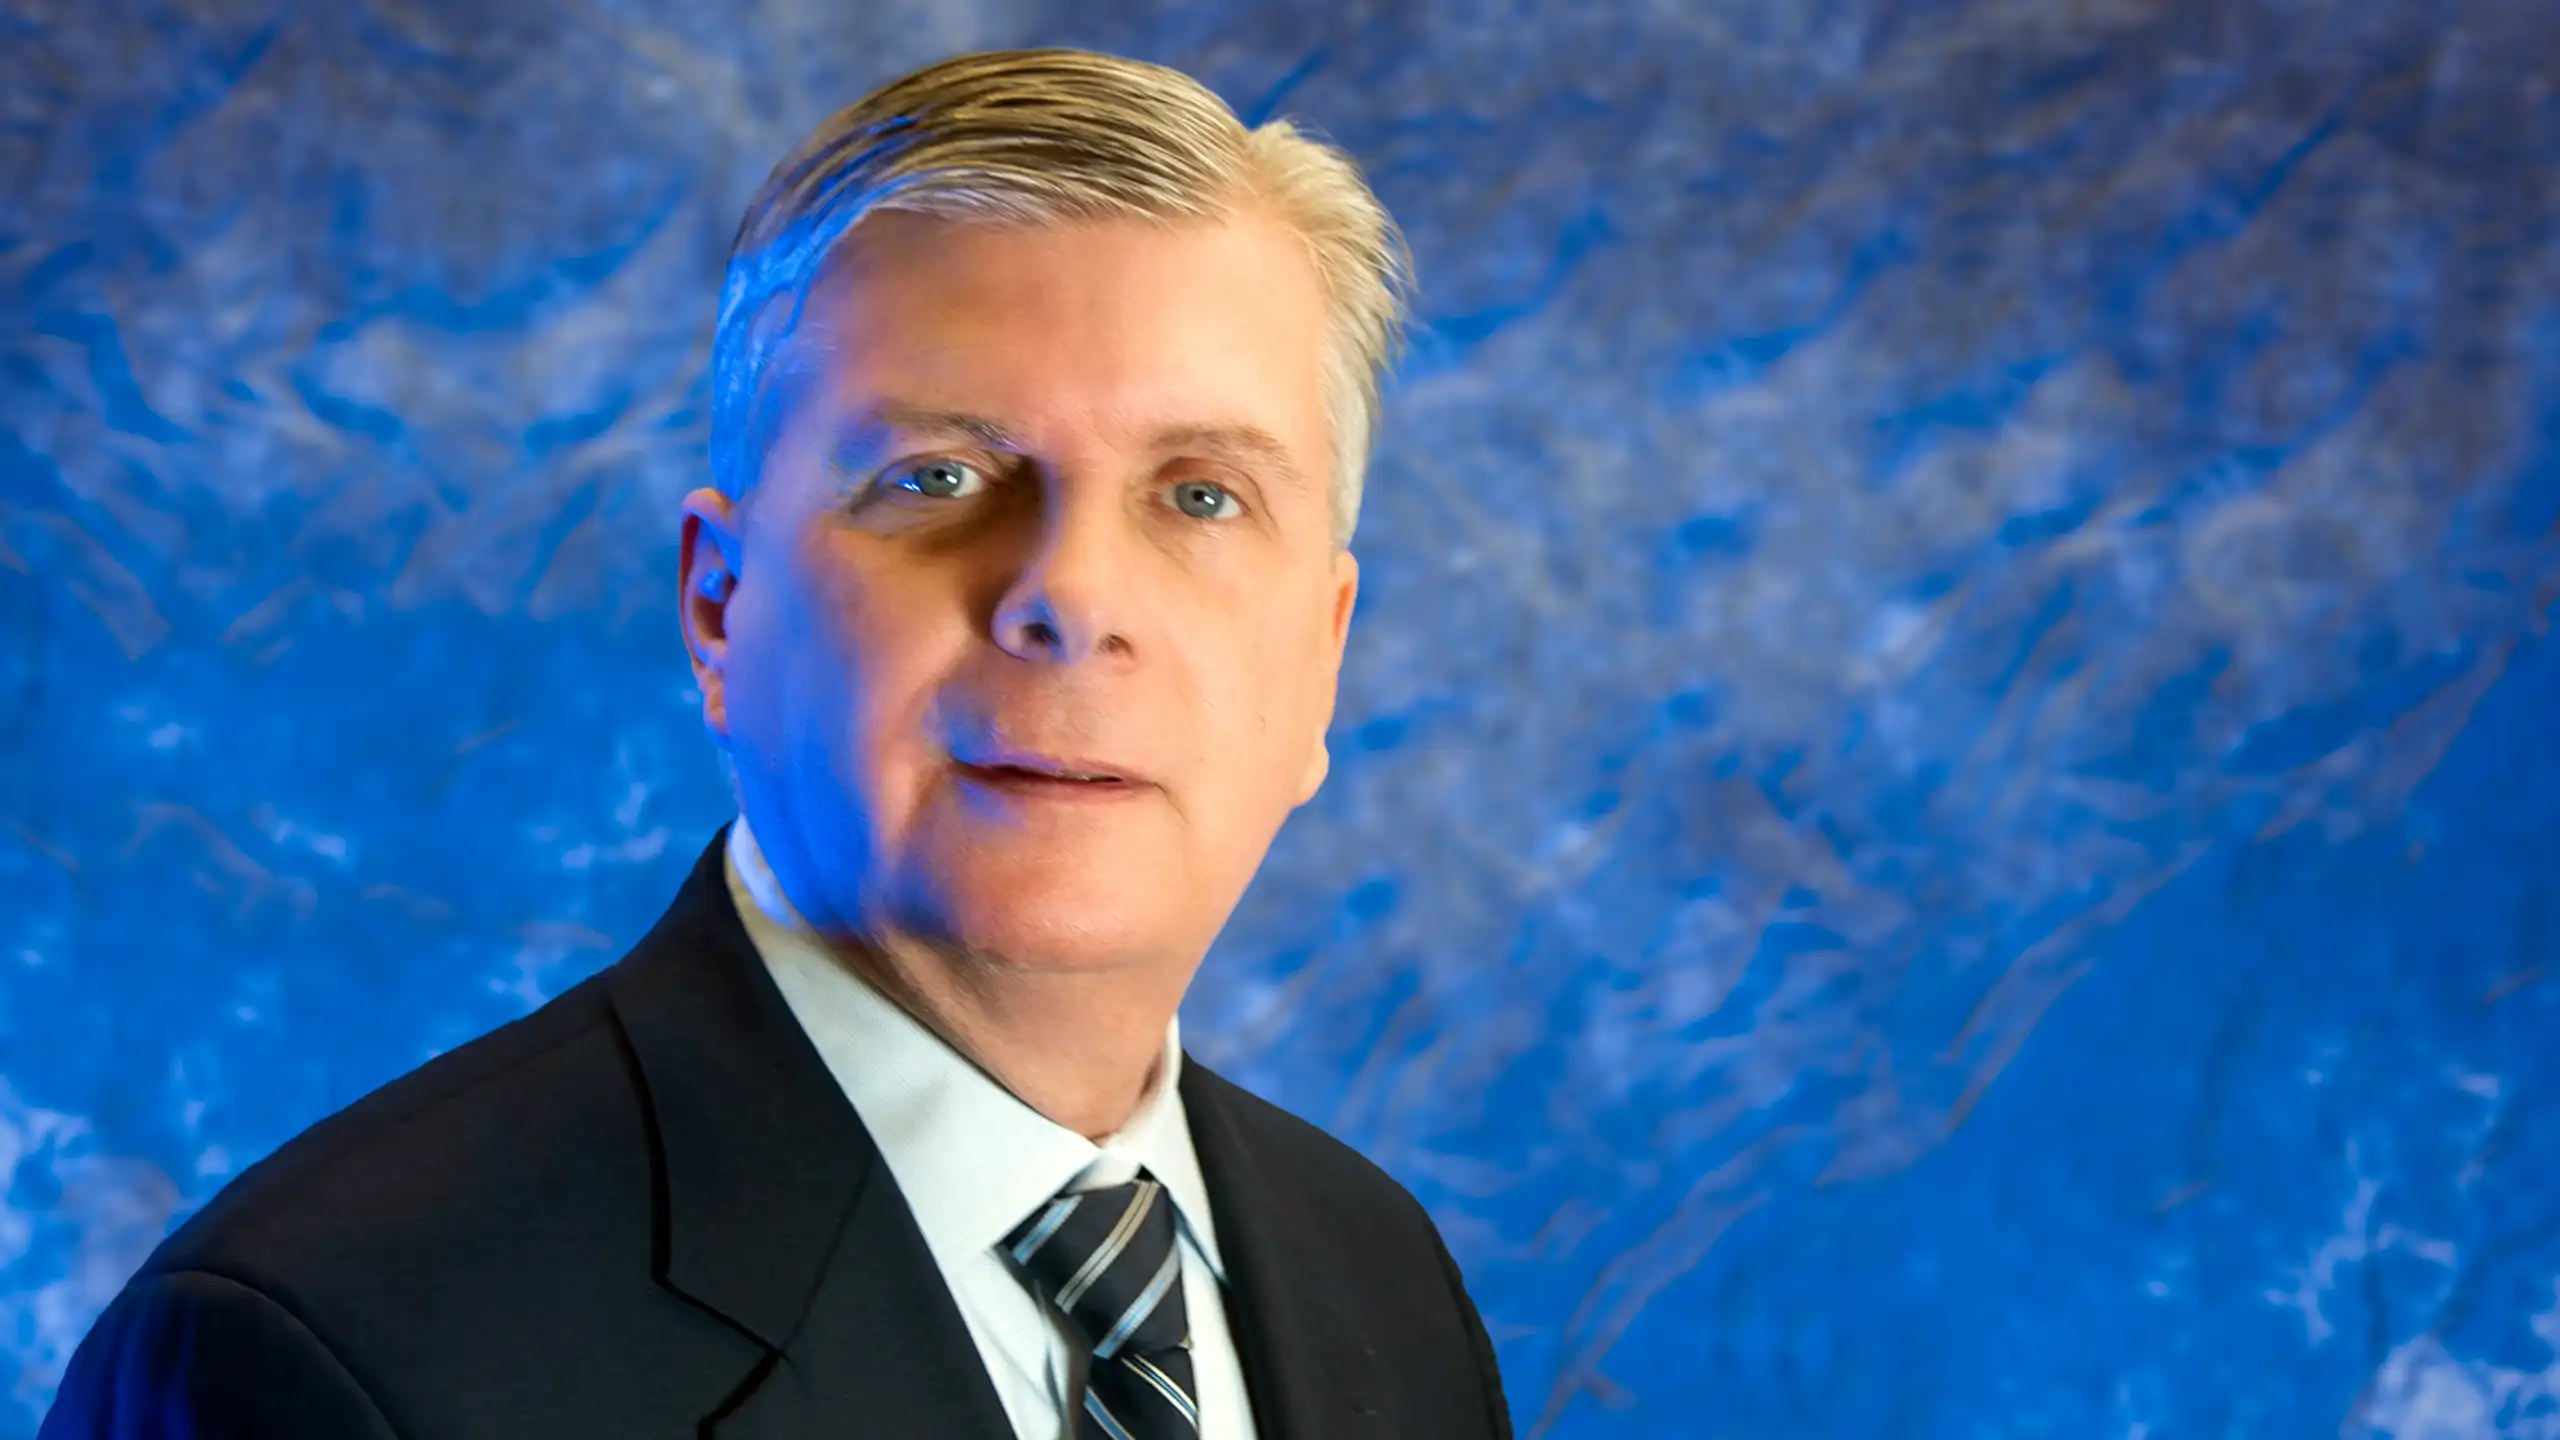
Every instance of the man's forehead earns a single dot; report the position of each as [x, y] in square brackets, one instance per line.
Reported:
[1011, 337]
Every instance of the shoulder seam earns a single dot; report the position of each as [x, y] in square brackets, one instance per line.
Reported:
[342, 1146]
[271, 1302]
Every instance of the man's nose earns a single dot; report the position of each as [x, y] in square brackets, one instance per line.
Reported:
[1070, 601]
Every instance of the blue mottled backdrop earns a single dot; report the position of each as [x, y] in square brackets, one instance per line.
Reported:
[1946, 819]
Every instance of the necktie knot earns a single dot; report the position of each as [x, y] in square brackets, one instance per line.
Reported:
[1109, 1261]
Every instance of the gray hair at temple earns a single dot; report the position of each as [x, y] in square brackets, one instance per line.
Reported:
[1035, 137]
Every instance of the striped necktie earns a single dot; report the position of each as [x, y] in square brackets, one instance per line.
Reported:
[1107, 1259]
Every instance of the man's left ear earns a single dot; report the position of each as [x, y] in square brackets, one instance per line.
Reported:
[1319, 765]
[1346, 597]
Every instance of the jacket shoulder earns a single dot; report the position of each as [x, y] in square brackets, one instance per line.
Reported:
[1335, 1175]
[187, 1353]
[534, 1107]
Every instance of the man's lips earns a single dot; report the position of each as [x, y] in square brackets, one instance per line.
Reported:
[1060, 773]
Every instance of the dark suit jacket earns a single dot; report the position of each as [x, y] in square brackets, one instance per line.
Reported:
[647, 1209]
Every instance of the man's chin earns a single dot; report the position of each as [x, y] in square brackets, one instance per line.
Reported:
[1055, 923]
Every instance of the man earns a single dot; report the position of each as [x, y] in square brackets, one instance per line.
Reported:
[1043, 392]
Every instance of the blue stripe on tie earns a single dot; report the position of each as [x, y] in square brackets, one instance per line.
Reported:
[1102, 1416]
[1082, 1264]
[1145, 1370]
[1100, 1261]
[1059, 1210]
[1142, 1307]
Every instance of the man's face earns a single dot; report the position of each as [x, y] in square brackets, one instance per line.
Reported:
[1037, 615]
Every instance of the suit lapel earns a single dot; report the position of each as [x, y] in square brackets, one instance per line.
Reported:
[1309, 1366]
[775, 1212]
[882, 1349]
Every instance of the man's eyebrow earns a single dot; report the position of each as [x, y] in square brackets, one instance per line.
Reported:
[1237, 442]
[924, 419]
[1249, 443]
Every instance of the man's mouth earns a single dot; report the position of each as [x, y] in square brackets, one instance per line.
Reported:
[1026, 772]
[1044, 775]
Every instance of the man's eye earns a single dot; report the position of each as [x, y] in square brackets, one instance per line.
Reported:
[1205, 500]
[940, 480]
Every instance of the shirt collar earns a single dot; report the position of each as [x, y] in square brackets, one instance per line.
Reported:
[971, 1158]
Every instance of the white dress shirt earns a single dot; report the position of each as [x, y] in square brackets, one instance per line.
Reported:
[973, 1161]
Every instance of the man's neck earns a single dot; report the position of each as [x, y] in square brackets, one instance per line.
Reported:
[1080, 1048]
[1083, 1050]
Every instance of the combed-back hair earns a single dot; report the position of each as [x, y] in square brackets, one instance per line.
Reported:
[1042, 137]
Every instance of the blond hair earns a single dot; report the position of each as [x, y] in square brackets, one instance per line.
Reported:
[1034, 137]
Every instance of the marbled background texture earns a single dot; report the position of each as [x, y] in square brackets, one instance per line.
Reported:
[1945, 819]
